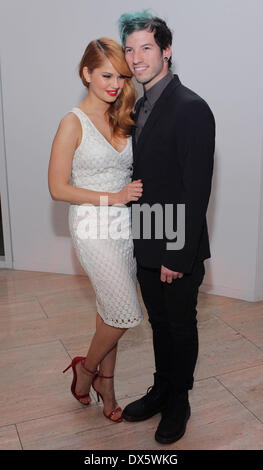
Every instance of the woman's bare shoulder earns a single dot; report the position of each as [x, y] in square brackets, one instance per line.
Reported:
[69, 125]
[70, 119]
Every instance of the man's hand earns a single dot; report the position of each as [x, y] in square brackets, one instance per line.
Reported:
[167, 275]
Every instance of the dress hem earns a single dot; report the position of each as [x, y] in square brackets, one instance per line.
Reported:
[108, 322]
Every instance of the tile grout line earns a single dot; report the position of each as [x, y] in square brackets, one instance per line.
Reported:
[33, 296]
[57, 315]
[30, 296]
[230, 372]
[64, 347]
[43, 417]
[29, 345]
[239, 332]
[250, 411]
[238, 370]
[36, 419]
[21, 298]
[75, 410]
[22, 448]
[42, 308]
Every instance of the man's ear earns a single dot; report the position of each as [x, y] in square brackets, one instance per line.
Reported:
[167, 52]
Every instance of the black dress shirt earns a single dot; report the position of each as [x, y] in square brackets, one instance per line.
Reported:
[149, 99]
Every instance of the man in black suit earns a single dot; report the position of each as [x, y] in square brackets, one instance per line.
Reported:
[173, 144]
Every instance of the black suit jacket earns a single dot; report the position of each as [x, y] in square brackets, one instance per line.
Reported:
[174, 158]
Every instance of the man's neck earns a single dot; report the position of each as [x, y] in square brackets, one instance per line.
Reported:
[155, 80]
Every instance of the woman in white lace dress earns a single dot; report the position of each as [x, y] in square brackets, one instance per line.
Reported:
[90, 167]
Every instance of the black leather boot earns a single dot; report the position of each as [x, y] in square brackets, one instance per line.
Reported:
[150, 404]
[174, 419]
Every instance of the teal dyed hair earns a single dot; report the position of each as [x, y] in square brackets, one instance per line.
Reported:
[130, 22]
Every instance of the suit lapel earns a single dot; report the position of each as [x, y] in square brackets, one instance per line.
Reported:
[157, 111]
[137, 110]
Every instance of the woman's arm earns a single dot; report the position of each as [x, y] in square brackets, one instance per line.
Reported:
[64, 145]
[60, 166]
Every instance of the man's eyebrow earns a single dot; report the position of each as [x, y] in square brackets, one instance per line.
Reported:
[143, 45]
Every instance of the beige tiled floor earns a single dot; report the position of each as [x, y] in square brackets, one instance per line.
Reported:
[46, 319]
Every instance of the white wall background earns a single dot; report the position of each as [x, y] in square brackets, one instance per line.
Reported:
[216, 52]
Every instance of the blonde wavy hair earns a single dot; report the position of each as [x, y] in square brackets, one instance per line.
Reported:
[119, 112]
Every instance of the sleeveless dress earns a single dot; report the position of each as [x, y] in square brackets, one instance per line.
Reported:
[101, 235]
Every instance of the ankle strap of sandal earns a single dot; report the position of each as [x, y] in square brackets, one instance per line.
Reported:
[105, 377]
[90, 371]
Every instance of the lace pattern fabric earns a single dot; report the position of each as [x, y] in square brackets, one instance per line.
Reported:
[107, 259]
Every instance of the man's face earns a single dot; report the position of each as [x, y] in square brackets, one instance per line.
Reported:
[145, 58]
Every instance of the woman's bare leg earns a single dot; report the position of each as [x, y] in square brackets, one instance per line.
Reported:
[102, 351]
[107, 365]
[106, 386]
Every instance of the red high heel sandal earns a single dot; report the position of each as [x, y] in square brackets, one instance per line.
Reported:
[73, 364]
[99, 395]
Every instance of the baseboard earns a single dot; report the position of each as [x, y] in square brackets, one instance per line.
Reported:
[5, 263]
[248, 295]
[51, 268]
[259, 294]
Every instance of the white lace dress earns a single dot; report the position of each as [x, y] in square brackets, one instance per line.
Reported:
[101, 235]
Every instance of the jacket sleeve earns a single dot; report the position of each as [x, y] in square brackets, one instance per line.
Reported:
[197, 161]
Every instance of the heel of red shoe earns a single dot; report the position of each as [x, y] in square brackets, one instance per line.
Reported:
[94, 388]
[112, 413]
[70, 365]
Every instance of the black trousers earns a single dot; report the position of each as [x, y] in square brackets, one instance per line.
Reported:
[172, 314]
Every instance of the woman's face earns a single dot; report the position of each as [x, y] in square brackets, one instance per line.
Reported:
[105, 82]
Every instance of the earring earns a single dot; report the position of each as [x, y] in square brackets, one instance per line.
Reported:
[165, 59]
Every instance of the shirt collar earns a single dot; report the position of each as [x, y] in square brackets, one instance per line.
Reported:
[156, 90]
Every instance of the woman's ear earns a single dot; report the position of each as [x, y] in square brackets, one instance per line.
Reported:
[86, 74]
